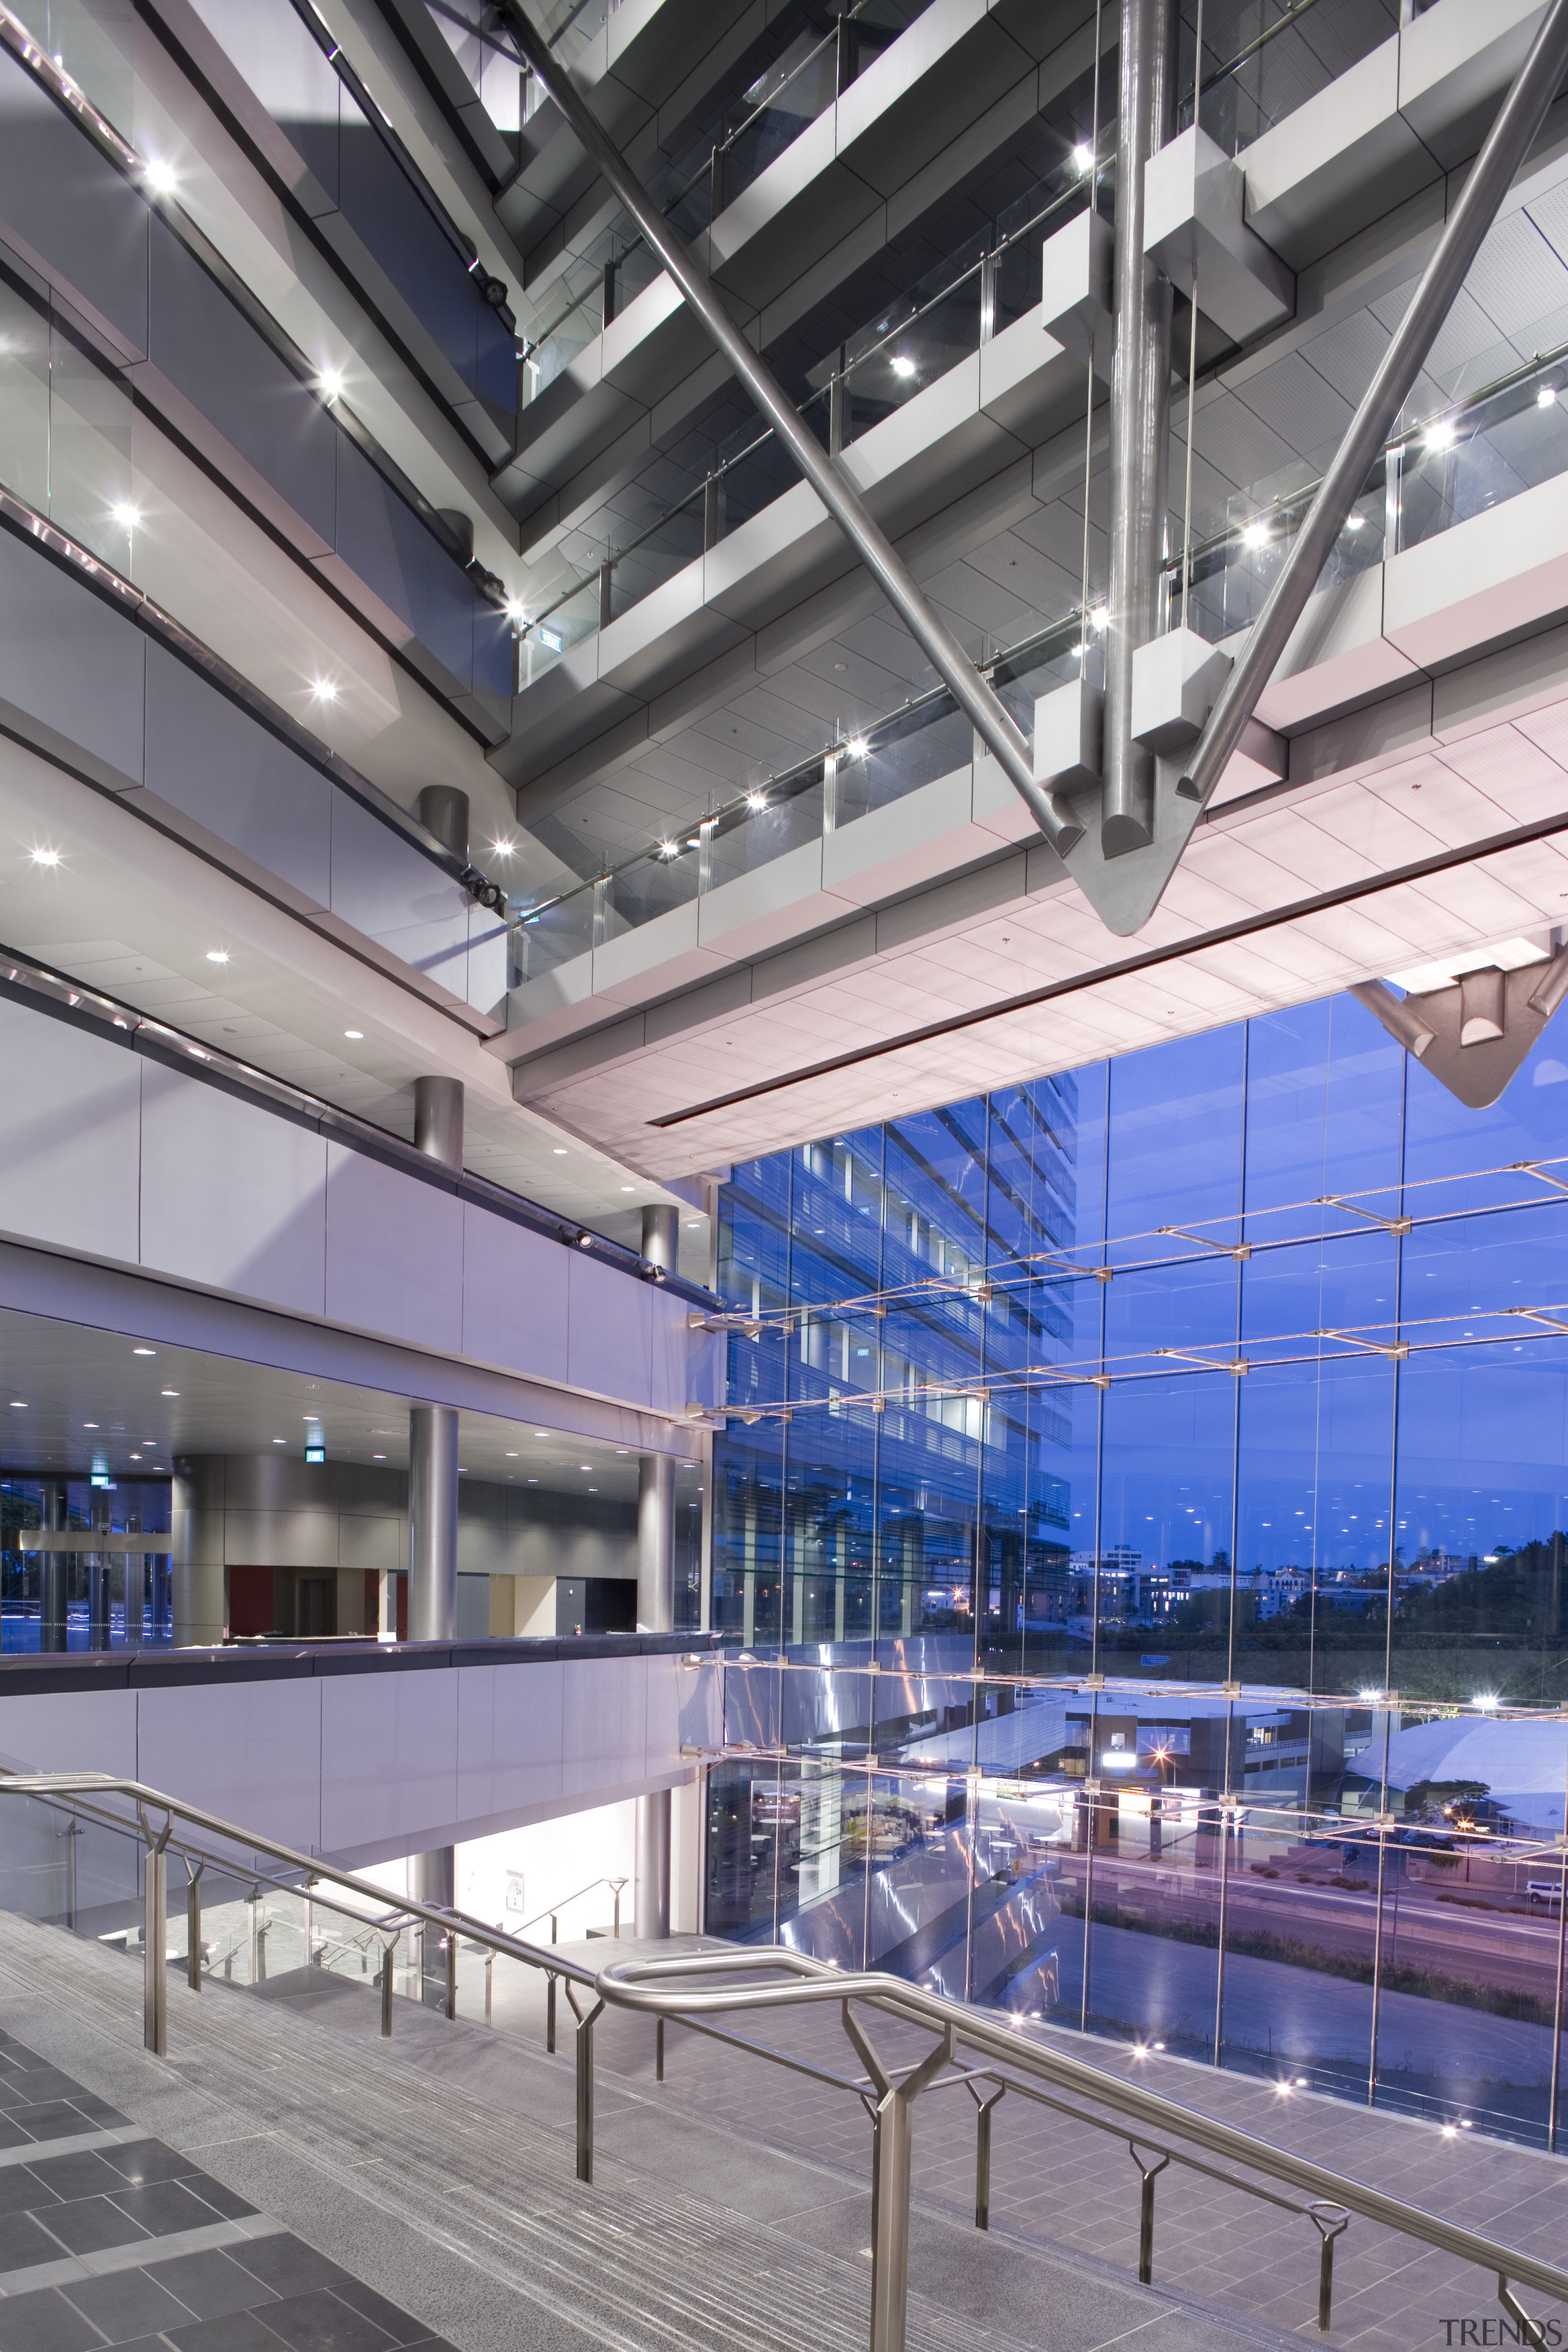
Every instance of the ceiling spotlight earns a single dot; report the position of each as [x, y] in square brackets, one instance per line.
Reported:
[1097, 616]
[585, 1239]
[89, 1425]
[517, 612]
[903, 366]
[357, 1034]
[45, 857]
[17, 1405]
[1547, 396]
[855, 746]
[504, 848]
[378, 1457]
[330, 384]
[280, 1441]
[511, 1457]
[756, 799]
[542, 1432]
[1354, 522]
[1441, 434]
[628, 1188]
[323, 690]
[1083, 156]
[125, 514]
[160, 177]
[168, 1391]
[560, 1150]
[143, 1352]
[585, 1465]
[668, 849]
[218, 955]
[1256, 535]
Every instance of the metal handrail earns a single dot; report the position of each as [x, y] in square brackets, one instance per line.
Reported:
[451, 1924]
[888, 2090]
[553, 1911]
[634, 1985]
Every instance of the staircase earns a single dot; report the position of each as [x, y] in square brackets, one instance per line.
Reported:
[348, 2195]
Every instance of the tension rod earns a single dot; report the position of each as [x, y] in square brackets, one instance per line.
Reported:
[973, 694]
[1507, 143]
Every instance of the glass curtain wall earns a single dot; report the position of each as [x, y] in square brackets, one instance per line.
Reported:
[1140, 1528]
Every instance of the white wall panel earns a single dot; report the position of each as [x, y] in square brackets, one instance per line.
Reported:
[508, 1737]
[394, 1252]
[231, 1195]
[515, 1287]
[604, 1724]
[257, 1763]
[389, 1760]
[609, 1326]
[69, 1142]
[79, 1731]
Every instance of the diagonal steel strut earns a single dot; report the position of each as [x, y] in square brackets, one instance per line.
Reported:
[973, 693]
[1507, 143]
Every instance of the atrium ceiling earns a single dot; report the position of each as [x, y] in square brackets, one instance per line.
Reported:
[77, 1393]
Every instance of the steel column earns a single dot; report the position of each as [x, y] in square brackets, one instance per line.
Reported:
[973, 693]
[432, 1522]
[1507, 143]
[1140, 419]
[155, 1939]
[438, 1120]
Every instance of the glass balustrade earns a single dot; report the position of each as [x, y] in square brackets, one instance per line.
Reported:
[1263, 59]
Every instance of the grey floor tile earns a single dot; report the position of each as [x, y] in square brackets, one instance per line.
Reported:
[212, 2282]
[128, 2303]
[139, 2161]
[83, 2174]
[226, 2202]
[99, 2112]
[90, 2223]
[235, 2331]
[51, 2119]
[44, 2322]
[163, 2207]
[321, 2321]
[287, 2264]
[20, 2192]
[22, 2243]
[387, 2316]
[12, 2135]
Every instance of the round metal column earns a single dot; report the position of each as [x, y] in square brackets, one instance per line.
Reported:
[1140, 419]
[650, 1880]
[438, 1120]
[52, 1573]
[432, 1522]
[443, 810]
[201, 1608]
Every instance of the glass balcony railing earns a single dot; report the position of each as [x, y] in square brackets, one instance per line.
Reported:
[617, 558]
[694, 187]
[1474, 457]
[1471, 457]
[1262, 62]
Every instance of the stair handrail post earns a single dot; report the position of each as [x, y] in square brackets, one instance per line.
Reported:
[584, 2055]
[892, 2146]
[193, 1922]
[155, 1934]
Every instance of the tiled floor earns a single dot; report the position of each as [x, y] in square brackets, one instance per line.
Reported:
[109, 2237]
